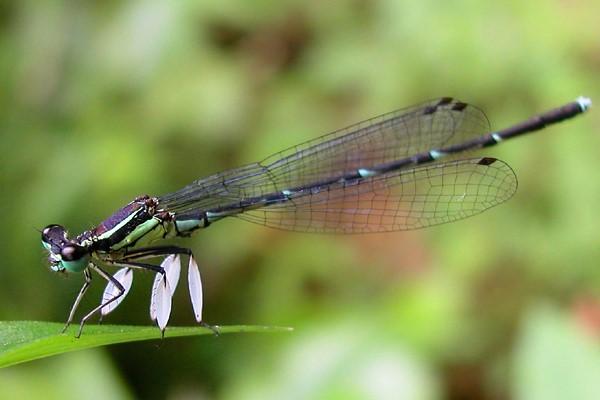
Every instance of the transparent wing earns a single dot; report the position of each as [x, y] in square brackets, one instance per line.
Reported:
[434, 124]
[427, 195]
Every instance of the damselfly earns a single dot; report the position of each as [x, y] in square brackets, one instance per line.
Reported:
[396, 172]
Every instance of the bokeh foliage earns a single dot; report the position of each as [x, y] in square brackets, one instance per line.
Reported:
[102, 101]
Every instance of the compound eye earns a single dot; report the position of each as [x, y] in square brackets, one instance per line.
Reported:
[53, 234]
[72, 252]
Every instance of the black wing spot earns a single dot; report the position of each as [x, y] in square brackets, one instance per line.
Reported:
[444, 100]
[487, 161]
[459, 106]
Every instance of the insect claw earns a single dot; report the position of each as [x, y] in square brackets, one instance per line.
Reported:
[216, 329]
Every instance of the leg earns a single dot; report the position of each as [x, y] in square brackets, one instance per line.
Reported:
[110, 278]
[152, 252]
[84, 288]
[137, 265]
[196, 295]
[214, 328]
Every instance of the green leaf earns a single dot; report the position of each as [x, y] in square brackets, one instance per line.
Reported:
[22, 341]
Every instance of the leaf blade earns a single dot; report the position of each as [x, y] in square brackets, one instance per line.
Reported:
[22, 341]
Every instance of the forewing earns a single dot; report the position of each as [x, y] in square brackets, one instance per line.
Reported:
[396, 135]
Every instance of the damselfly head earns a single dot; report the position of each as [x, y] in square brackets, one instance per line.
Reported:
[63, 254]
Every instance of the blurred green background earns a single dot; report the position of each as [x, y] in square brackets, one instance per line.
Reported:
[103, 101]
